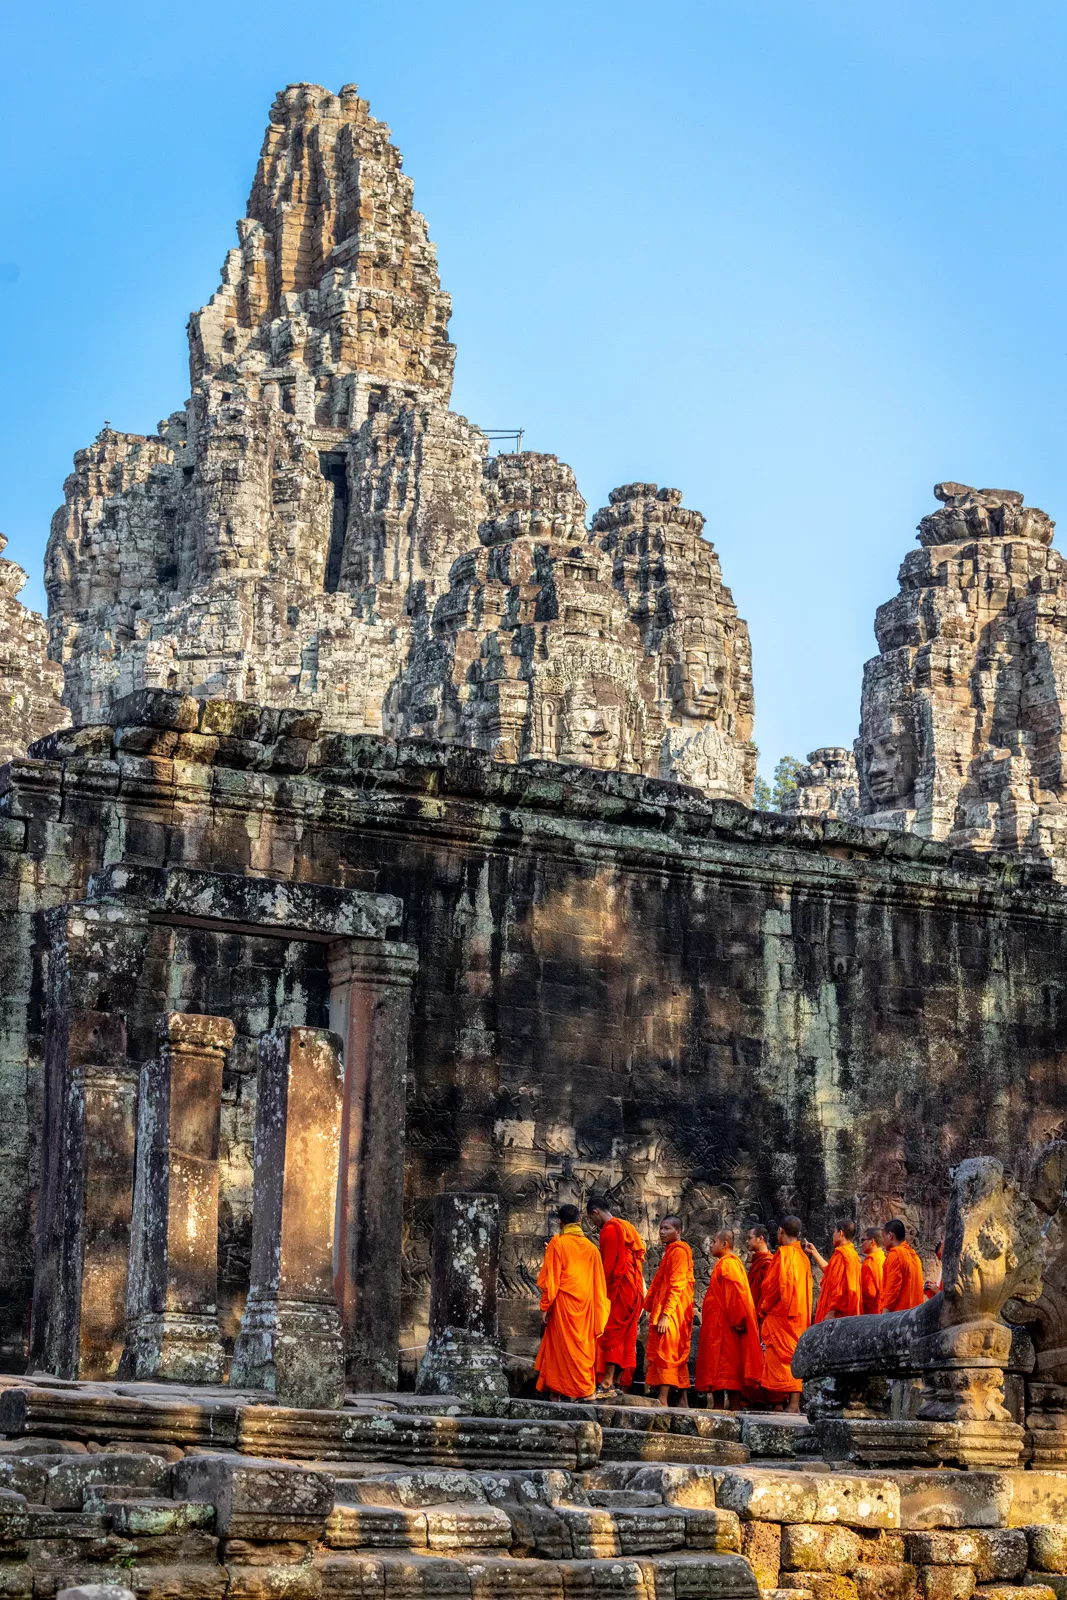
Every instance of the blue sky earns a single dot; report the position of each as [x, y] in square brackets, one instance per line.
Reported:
[801, 258]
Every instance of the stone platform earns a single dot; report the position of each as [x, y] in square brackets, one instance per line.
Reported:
[216, 1493]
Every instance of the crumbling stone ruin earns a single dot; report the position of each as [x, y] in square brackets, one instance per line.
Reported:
[397, 884]
[317, 530]
[961, 724]
[30, 684]
[826, 787]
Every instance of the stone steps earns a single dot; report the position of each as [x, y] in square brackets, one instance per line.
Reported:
[186, 1420]
[420, 1440]
[657, 1577]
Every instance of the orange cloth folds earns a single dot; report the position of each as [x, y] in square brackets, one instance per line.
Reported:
[623, 1251]
[871, 1280]
[757, 1271]
[785, 1312]
[902, 1280]
[574, 1293]
[839, 1293]
[729, 1354]
[670, 1295]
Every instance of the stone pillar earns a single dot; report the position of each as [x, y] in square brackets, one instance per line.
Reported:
[290, 1338]
[79, 1308]
[463, 1355]
[370, 1003]
[171, 1304]
[88, 1137]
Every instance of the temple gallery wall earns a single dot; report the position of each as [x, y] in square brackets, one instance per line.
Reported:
[545, 979]
[348, 734]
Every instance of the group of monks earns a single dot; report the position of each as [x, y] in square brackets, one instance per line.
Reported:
[592, 1302]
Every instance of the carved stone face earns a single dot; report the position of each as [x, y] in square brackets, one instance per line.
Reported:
[589, 732]
[696, 687]
[891, 764]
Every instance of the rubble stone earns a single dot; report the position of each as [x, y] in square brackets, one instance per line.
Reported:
[945, 1582]
[761, 1546]
[1048, 1548]
[816, 1547]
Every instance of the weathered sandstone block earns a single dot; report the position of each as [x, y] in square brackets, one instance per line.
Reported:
[463, 1356]
[290, 1339]
[172, 1314]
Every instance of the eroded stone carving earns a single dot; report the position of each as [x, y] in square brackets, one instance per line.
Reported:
[827, 787]
[462, 1355]
[317, 529]
[30, 684]
[960, 1341]
[961, 733]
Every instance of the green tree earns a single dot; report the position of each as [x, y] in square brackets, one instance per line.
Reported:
[785, 779]
[761, 795]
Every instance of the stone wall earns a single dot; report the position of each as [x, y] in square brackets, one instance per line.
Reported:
[315, 529]
[622, 984]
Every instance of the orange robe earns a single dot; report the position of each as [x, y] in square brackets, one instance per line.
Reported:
[671, 1295]
[729, 1355]
[623, 1252]
[573, 1291]
[840, 1291]
[757, 1271]
[871, 1279]
[902, 1281]
[785, 1312]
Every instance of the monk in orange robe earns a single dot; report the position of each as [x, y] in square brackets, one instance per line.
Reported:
[785, 1312]
[839, 1291]
[872, 1272]
[760, 1257]
[729, 1355]
[669, 1304]
[902, 1280]
[622, 1250]
[574, 1311]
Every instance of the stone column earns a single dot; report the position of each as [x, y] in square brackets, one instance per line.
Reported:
[463, 1355]
[171, 1304]
[80, 1306]
[89, 1127]
[290, 1338]
[370, 1003]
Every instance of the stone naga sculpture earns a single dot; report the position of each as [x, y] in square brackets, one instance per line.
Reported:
[959, 1341]
[1045, 1317]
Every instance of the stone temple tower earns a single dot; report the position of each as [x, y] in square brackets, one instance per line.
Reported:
[962, 732]
[317, 529]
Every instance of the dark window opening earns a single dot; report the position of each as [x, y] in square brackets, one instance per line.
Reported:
[335, 471]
